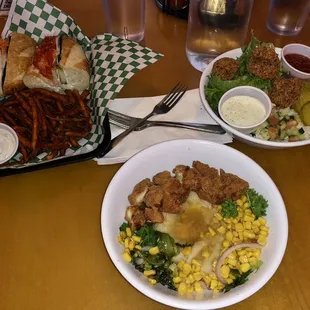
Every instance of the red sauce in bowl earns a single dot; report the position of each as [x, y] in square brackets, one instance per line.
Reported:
[299, 62]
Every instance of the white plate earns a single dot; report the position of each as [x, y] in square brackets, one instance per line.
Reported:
[165, 156]
[237, 134]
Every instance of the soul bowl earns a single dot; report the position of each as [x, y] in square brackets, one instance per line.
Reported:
[165, 156]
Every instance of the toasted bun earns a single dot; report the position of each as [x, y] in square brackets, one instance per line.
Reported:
[73, 66]
[20, 54]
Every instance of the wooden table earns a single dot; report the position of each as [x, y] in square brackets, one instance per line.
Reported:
[52, 256]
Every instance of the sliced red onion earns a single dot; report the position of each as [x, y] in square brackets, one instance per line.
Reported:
[227, 252]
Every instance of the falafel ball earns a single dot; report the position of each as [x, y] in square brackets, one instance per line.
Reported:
[285, 91]
[225, 68]
[264, 63]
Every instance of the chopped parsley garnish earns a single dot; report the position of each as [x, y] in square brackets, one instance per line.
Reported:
[258, 203]
[229, 209]
[123, 227]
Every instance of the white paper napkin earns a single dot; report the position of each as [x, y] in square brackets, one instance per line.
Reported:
[189, 109]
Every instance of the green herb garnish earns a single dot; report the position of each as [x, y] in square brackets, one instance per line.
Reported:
[148, 235]
[258, 203]
[123, 227]
[229, 209]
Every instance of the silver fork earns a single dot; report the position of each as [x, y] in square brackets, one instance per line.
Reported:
[125, 121]
[164, 106]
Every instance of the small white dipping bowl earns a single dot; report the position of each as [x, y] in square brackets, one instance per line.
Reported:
[295, 48]
[251, 92]
[13, 133]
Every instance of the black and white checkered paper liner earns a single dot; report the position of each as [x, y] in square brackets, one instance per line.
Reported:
[113, 61]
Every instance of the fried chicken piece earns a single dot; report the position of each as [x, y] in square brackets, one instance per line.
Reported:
[233, 186]
[211, 189]
[205, 170]
[135, 217]
[192, 180]
[179, 172]
[264, 63]
[153, 215]
[154, 197]
[171, 203]
[225, 68]
[139, 192]
[161, 177]
[285, 91]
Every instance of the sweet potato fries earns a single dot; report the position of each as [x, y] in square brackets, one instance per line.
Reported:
[46, 121]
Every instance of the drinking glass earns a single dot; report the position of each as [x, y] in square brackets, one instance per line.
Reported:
[214, 27]
[287, 17]
[125, 18]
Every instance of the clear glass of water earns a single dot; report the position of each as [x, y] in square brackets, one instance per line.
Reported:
[214, 27]
[287, 17]
[125, 18]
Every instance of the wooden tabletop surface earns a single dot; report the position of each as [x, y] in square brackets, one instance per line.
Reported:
[52, 256]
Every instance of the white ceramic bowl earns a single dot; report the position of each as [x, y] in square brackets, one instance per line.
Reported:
[13, 133]
[295, 49]
[165, 156]
[251, 92]
[237, 134]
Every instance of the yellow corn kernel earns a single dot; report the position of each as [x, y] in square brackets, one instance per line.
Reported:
[245, 267]
[127, 251]
[228, 221]
[264, 228]
[221, 230]
[229, 236]
[148, 273]
[256, 253]
[177, 280]
[182, 289]
[152, 281]
[263, 233]
[187, 250]
[205, 254]
[262, 241]
[239, 202]
[225, 270]
[241, 252]
[135, 255]
[256, 223]
[212, 232]
[123, 234]
[248, 218]
[239, 227]
[196, 268]
[232, 255]
[128, 232]
[246, 205]
[187, 269]
[180, 264]
[248, 212]
[248, 225]
[218, 216]
[232, 262]
[249, 254]
[240, 235]
[235, 234]
[248, 234]
[243, 259]
[127, 257]
[190, 279]
[196, 262]
[126, 243]
[136, 239]
[236, 241]
[190, 289]
[207, 280]
[138, 247]
[182, 275]
[226, 243]
[213, 284]
[220, 286]
[197, 276]
[255, 229]
[262, 221]
[120, 240]
[240, 215]
[228, 226]
[198, 287]
[154, 250]
[244, 198]
[131, 245]
[235, 221]
[229, 281]
[215, 220]
[252, 260]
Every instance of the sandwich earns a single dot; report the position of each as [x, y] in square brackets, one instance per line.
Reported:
[15, 60]
[59, 63]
